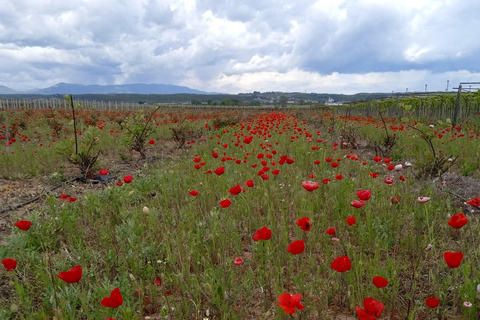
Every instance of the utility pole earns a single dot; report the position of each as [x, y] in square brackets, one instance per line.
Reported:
[425, 88]
[447, 84]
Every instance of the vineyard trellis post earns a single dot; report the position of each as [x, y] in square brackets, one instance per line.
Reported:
[457, 105]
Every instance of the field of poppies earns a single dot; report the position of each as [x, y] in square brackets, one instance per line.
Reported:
[304, 213]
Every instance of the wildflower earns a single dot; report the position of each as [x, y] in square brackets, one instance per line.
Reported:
[357, 203]
[372, 309]
[351, 221]
[225, 203]
[114, 301]
[262, 234]
[296, 247]
[432, 302]
[71, 276]
[341, 264]
[380, 282]
[9, 264]
[304, 224]
[289, 302]
[453, 259]
[423, 199]
[458, 220]
[310, 185]
[23, 224]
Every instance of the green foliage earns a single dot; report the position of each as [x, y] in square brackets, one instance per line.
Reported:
[139, 129]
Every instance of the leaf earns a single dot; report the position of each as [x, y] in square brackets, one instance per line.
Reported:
[407, 107]
[449, 121]
[440, 122]
[405, 119]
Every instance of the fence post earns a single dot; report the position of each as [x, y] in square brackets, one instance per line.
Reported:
[457, 105]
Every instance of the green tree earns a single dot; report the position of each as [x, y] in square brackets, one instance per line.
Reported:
[282, 101]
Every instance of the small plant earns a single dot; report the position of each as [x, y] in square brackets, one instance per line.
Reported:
[435, 163]
[139, 130]
[87, 153]
[388, 141]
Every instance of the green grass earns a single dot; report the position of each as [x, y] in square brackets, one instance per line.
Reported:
[191, 242]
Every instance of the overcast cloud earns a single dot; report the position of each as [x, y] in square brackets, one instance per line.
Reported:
[336, 46]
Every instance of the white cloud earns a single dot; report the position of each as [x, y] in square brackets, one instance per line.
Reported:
[242, 46]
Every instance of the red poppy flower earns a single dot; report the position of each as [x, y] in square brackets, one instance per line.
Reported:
[474, 202]
[364, 194]
[72, 199]
[432, 302]
[64, 196]
[357, 203]
[119, 183]
[387, 160]
[127, 179]
[103, 172]
[225, 203]
[328, 159]
[351, 221]
[151, 142]
[377, 159]
[390, 167]
[395, 200]
[334, 164]
[71, 276]
[290, 160]
[325, 181]
[388, 180]
[289, 302]
[296, 247]
[453, 259]
[341, 264]
[304, 224]
[9, 264]
[339, 177]
[373, 174]
[380, 282]
[219, 171]
[310, 185]
[316, 162]
[193, 193]
[249, 183]
[235, 190]
[265, 176]
[262, 234]
[330, 231]
[457, 221]
[23, 224]
[158, 281]
[372, 309]
[238, 261]
[275, 172]
[215, 154]
[114, 301]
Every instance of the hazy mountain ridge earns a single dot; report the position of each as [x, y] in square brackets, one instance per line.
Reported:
[7, 90]
[135, 88]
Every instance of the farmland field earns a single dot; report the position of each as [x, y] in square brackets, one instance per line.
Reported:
[179, 213]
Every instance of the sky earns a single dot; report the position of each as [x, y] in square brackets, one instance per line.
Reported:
[325, 46]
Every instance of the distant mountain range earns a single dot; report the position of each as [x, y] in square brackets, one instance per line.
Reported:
[7, 90]
[136, 88]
